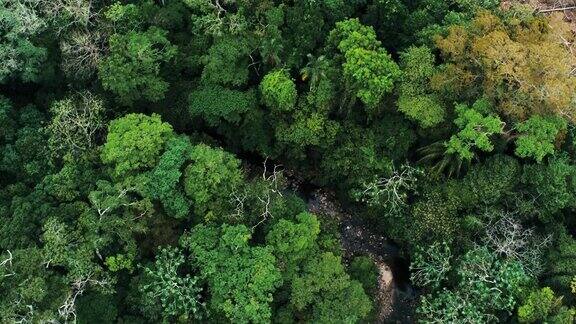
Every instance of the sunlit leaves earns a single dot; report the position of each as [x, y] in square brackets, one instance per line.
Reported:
[416, 99]
[135, 142]
[368, 69]
[537, 136]
[475, 131]
[210, 181]
[278, 90]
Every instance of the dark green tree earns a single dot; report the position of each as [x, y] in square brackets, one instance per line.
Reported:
[132, 68]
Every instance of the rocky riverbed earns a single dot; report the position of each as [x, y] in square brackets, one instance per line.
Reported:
[394, 294]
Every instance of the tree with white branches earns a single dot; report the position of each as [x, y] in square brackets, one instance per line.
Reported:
[76, 123]
[390, 192]
[509, 238]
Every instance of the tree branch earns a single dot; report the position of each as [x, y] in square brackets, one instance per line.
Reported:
[556, 9]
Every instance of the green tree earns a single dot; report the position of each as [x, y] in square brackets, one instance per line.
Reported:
[216, 104]
[210, 180]
[96, 307]
[20, 53]
[73, 181]
[357, 156]
[550, 186]
[26, 281]
[424, 109]
[369, 71]
[163, 181]
[135, 142]
[449, 307]
[485, 184]
[132, 68]
[475, 130]
[561, 264]
[493, 283]
[304, 30]
[543, 306]
[116, 216]
[416, 98]
[316, 70]
[537, 136]
[325, 291]
[24, 156]
[306, 129]
[486, 286]
[241, 278]
[364, 270]
[293, 242]
[226, 62]
[432, 219]
[278, 91]
[214, 19]
[124, 17]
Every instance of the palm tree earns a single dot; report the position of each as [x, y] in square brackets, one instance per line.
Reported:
[442, 162]
[315, 70]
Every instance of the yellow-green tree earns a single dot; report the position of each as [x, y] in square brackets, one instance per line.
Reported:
[520, 64]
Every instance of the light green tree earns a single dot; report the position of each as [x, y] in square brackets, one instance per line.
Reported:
[294, 242]
[210, 180]
[278, 91]
[135, 142]
[537, 136]
[544, 306]
[475, 130]
[416, 99]
[369, 71]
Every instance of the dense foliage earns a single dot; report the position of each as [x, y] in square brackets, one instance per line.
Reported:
[157, 158]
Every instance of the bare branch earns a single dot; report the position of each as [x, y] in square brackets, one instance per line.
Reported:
[272, 190]
[7, 263]
[68, 309]
[556, 9]
[390, 191]
[509, 238]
